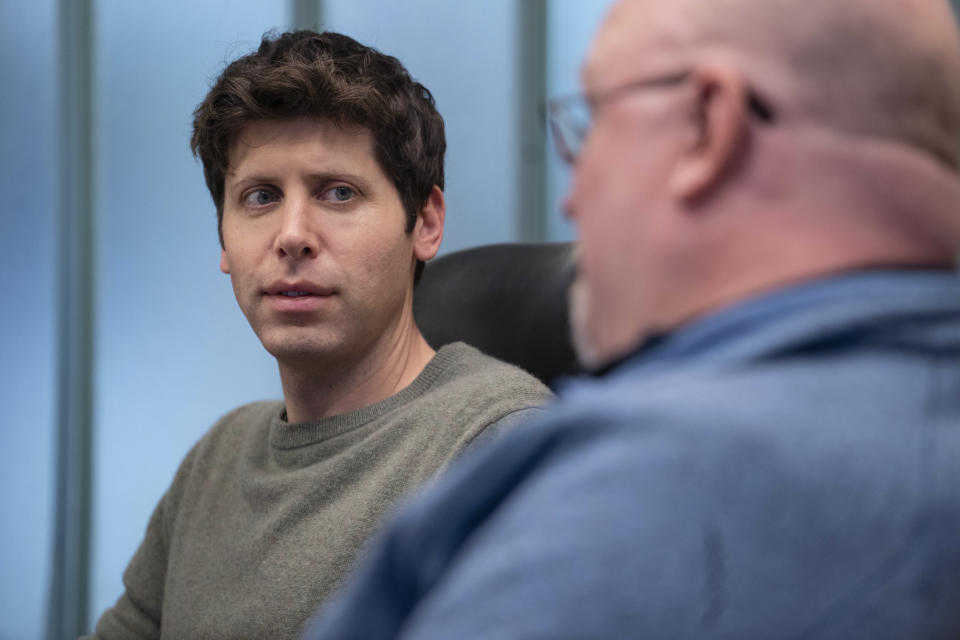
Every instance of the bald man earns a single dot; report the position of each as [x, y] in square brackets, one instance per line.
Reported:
[768, 206]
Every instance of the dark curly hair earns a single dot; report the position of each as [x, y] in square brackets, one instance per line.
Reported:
[332, 77]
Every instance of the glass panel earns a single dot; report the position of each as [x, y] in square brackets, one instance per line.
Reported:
[571, 25]
[463, 52]
[28, 321]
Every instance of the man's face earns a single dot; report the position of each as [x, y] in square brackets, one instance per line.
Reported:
[314, 241]
[617, 192]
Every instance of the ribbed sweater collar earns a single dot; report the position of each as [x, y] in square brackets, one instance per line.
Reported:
[286, 435]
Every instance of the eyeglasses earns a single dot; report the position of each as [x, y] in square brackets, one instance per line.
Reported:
[570, 117]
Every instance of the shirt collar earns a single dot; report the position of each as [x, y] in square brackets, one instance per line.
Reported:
[757, 324]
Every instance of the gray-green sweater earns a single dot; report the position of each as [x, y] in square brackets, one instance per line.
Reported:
[264, 518]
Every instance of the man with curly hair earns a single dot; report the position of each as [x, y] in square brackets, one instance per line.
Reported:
[324, 159]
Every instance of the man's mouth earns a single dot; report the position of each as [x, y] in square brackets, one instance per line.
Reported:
[301, 296]
[298, 289]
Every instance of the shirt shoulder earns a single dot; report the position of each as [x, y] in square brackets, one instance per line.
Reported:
[251, 420]
[477, 374]
[235, 434]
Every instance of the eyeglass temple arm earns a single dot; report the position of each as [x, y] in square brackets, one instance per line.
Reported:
[759, 107]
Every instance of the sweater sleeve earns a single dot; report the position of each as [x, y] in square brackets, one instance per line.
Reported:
[136, 615]
[504, 424]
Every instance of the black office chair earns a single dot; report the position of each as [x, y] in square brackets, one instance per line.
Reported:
[508, 300]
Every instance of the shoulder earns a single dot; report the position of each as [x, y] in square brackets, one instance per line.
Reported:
[232, 435]
[476, 388]
[473, 374]
[463, 396]
[840, 462]
[241, 422]
[748, 435]
[745, 490]
[800, 405]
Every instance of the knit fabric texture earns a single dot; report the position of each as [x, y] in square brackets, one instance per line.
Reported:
[264, 517]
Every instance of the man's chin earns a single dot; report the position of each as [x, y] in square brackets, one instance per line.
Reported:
[584, 346]
[305, 351]
[596, 344]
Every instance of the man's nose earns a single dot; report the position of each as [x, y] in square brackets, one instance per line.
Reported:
[297, 237]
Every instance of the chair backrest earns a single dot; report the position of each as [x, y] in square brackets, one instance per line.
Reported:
[508, 300]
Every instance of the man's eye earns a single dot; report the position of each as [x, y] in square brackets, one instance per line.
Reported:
[340, 193]
[259, 198]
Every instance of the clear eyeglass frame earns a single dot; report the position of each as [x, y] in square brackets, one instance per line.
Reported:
[569, 117]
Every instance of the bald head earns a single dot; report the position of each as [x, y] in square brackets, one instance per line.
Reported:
[688, 196]
[888, 68]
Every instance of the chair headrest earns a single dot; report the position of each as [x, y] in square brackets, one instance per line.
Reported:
[508, 300]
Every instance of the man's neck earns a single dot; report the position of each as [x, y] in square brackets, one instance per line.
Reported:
[821, 203]
[320, 390]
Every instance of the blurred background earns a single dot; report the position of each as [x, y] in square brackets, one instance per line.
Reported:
[121, 342]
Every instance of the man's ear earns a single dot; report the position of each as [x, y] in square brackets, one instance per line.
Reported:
[718, 121]
[224, 262]
[428, 231]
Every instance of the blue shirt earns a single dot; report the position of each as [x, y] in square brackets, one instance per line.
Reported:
[785, 468]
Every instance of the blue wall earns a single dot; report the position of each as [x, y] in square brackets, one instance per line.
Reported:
[463, 52]
[570, 27]
[28, 280]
